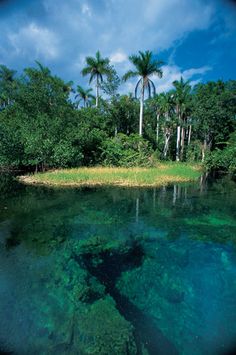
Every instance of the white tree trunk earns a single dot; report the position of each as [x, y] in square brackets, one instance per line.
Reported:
[189, 134]
[182, 142]
[157, 128]
[177, 143]
[166, 146]
[204, 147]
[141, 110]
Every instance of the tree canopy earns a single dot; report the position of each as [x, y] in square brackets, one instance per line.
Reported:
[42, 126]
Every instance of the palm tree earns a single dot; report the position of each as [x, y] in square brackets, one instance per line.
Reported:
[145, 66]
[84, 95]
[181, 97]
[97, 67]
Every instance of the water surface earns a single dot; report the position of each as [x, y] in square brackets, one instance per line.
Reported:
[118, 271]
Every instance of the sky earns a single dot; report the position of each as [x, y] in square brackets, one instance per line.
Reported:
[195, 39]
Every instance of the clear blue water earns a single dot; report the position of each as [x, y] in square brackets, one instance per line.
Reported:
[118, 271]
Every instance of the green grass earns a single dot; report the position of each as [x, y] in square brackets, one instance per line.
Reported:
[163, 174]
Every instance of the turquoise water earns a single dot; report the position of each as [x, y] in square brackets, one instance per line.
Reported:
[118, 271]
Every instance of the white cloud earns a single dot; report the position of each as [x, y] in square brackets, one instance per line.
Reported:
[86, 10]
[35, 41]
[118, 57]
[170, 74]
[189, 73]
[173, 72]
[73, 29]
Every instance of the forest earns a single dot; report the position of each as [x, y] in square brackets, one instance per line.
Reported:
[47, 123]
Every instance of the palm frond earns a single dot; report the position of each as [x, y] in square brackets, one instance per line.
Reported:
[149, 89]
[153, 86]
[85, 71]
[136, 88]
[130, 74]
[92, 76]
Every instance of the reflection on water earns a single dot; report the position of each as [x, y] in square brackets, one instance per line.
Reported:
[118, 271]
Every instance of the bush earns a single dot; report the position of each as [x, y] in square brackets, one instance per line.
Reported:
[194, 151]
[224, 160]
[127, 151]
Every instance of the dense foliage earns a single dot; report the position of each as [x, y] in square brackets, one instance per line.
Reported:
[128, 151]
[45, 124]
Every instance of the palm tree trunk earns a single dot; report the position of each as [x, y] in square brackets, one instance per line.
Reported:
[97, 91]
[141, 110]
[204, 148]
[178, 138]
[157, 128]
[166, 146]
[178, 142]
[182, 142]
[189, 134]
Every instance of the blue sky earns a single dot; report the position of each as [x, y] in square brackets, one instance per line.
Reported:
[195, 38]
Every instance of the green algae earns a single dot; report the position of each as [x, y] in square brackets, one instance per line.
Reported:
[104, 331]
[211, 220]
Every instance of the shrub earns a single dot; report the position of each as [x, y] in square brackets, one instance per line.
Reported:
[194, 151]
[225, 159]
[127, 151]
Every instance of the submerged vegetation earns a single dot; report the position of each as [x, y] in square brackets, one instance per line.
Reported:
[45, 124]
[112, 270]
[161, 175]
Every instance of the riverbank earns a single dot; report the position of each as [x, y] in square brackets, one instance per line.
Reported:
[163, 174]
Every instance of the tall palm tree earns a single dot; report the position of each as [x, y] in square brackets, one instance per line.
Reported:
[96, 67]
[181, 97]
[145, 66]
[84, 95]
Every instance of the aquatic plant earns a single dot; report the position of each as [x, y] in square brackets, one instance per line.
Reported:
[102, 330]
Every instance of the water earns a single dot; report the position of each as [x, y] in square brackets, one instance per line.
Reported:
[118, 271]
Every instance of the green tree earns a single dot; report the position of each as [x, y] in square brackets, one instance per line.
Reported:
[145, 66]
[182, 98]
[7, 85]
[84, 95]
[111, 85]
[96, 67]
[121, 114]
[214, 113]
[38, 122]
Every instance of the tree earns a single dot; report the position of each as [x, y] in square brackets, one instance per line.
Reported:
[112, 83]
[36, 129]
[145, 66]
[214, 113]
[84, 95]
[97, 67]
[121, 113]
[181, 98]
[7, 85]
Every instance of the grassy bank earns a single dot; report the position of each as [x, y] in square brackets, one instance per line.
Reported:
[163, 174]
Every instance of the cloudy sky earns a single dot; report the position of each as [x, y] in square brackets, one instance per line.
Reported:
[195, 38]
